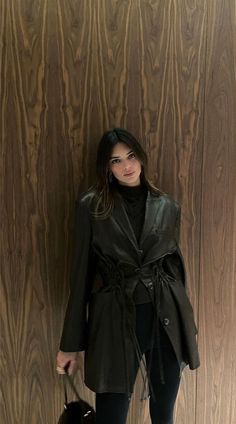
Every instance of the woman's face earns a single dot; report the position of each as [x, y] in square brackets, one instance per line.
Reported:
[124, 165]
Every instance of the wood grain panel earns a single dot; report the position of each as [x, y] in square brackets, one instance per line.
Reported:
[216, 389]
[26, 342]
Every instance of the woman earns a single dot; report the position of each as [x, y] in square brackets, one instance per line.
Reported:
[128, 299]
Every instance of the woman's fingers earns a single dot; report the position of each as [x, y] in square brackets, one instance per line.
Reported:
[60, 370]
[66, 362]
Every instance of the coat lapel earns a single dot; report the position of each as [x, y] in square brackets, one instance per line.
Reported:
[150, 216]
[121, 218]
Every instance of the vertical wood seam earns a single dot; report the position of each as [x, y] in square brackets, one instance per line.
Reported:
[206, 5]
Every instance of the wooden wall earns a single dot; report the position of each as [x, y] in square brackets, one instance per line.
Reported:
[70, 69]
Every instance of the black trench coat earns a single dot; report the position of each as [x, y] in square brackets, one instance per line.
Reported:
[107, 265]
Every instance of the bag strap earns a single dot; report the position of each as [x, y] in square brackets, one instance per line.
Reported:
[71, 383]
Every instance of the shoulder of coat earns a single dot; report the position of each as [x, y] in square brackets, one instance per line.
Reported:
[168, 200]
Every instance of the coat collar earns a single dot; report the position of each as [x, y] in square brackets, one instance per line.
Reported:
[121, 218]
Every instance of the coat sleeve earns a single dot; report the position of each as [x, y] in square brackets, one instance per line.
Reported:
[73, 337]
[177, 225]
[174, 264]
[181, 265]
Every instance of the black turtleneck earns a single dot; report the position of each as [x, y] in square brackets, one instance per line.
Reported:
[135, 201]
[134, 198]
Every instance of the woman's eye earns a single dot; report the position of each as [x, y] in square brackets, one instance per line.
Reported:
[113, 161]
[132, 155]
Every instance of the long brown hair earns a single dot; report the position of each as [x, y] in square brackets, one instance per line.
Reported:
[105, 187]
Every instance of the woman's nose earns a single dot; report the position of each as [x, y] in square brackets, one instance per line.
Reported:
[127, 165]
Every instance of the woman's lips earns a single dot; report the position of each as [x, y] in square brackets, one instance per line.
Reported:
[128, 175]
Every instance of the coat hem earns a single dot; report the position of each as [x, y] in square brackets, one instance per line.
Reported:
[103, 389]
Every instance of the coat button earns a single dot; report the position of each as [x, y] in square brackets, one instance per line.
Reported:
[166, 321]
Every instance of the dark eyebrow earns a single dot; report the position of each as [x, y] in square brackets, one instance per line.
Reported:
[117, 157]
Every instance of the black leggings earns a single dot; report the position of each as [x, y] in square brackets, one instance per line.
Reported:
[112, 408]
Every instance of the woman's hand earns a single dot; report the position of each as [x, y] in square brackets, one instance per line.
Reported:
[66, 362]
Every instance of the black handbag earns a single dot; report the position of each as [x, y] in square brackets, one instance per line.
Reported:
[76, 412]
